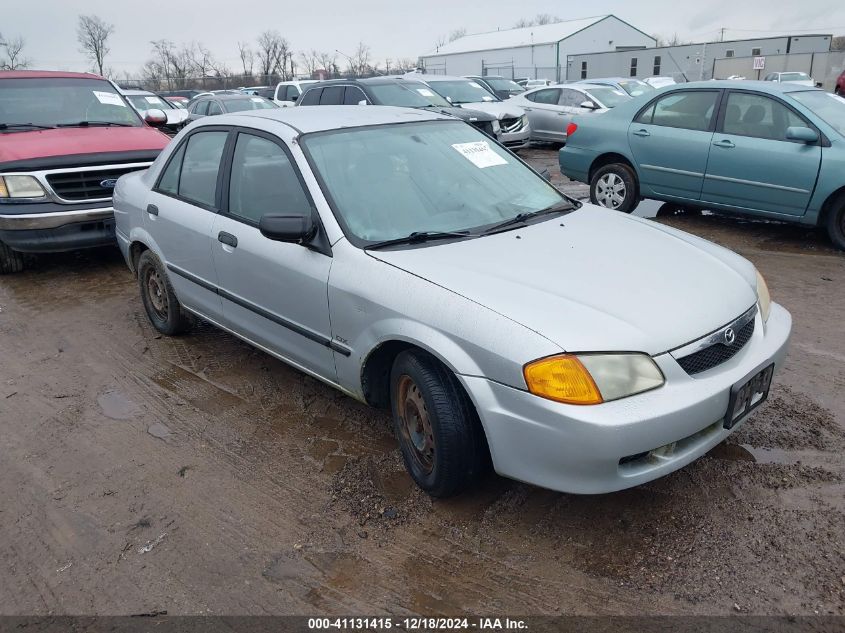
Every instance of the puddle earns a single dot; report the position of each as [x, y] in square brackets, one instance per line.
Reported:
[117, 406]
[160, 431]
[202, 394]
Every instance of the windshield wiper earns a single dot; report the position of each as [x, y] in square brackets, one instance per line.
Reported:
[417, 237]
[520, 218]
[94, 124]
[14, 126]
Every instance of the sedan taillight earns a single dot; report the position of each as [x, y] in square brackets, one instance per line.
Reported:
[570, 129]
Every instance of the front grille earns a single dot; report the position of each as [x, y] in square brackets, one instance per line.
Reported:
[511, 125]
[85, 185]
[718, 353]
[486, 127]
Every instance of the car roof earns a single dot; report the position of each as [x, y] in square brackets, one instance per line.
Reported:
[746, 84]
[317, 119]
[228, 97]
[433, 78]
[44, 74]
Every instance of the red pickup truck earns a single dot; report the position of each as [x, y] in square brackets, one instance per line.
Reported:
[65, 139]
[840, 85]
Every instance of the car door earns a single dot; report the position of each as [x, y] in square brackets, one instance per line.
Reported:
[570, 105]
[670, 142]
[274, 293]
[180, 215]
[752, 164]
[543, 114]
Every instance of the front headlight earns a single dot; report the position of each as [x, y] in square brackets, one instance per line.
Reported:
[763, 297]
[591, 378]
[20, 187]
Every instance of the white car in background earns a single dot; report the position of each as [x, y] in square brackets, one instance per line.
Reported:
[801, 79]
[550, 110]
[287, 92]
[143, 100]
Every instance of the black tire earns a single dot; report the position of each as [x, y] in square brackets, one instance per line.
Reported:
[607, 180]
[163, 308]
[671, 209]
[10, 261]
[836, 223]
[451, 451]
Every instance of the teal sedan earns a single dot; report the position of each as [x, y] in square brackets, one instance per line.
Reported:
[771, 150]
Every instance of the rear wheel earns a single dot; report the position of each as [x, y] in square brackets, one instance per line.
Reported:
[163, 308]
[442, 442]
[836, 223]
[614, 187]
[10, 261]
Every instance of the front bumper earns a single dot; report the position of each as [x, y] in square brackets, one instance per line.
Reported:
[54, 231]
[518, 139]
[578, 449]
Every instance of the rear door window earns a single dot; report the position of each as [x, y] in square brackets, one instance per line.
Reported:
[353, 96]
[688, 110]
[333, 95]
[311, 97]
[549, 96]
[214, 108]
[201, 163]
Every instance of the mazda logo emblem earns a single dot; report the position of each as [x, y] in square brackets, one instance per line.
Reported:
[730, 336]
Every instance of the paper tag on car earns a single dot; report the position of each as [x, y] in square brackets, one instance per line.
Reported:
[108, 98]
[425, 92]
[479, 154]
[154, 100]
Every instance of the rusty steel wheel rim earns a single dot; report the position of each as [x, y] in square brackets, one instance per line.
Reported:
[415, 423]
[157, 294]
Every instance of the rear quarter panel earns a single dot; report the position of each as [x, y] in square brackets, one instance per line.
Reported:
[596, 135]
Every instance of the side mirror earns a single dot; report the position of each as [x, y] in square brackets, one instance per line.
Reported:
[155, 117]
[298, 229]
[803, 134]
[449, 99]
[588, 105]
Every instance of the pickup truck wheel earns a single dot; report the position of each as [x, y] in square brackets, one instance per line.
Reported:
[836, 223]
[160, 302]
[614, 187]
[442, 442]
[10, 261]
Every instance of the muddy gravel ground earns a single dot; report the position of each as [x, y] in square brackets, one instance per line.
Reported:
[195, 475]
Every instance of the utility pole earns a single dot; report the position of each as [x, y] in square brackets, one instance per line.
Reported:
[722, 36]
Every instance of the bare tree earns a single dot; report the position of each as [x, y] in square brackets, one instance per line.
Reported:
[273, 54]
[538, 20]
[405, 64]
[359, 61]
[457, 34]
[93, 33]
[14, 59]
[440, 42]
[247, 56]
[328, 62]
[675, 40]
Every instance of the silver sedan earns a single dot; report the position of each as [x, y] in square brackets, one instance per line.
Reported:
[550, 109]
[413, 263]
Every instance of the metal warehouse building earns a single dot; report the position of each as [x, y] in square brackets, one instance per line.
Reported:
[535, 51]
[707, 60]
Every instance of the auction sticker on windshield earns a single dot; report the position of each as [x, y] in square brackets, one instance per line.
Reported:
[108, 98]
[479, 154]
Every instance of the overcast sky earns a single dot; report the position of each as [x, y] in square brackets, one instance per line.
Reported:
[392, 28]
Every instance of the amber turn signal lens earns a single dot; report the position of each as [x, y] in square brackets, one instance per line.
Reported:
[4, 193]
[562, 378]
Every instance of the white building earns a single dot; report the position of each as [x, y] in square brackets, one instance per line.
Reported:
[539, 52]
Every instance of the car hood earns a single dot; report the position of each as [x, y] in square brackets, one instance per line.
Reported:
[499, 109]
[465, 114]
[17, 146]
[594, 280]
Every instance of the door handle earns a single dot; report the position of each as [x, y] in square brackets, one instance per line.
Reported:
[152, 209]
[228, 239]
[726, 144]
[561, 113]
[642, 133]
[527, 109]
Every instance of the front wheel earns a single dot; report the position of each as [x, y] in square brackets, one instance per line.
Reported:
[614, 187]
[10, 261]
[160, 302]
[836, 223]
[442, 442]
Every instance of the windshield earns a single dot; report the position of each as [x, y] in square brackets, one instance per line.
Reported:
[794, 77]
[636, 88]
[253, 103]
[828, 107]
[462, 91]
[609, 97]
[504, 84]
[411, 97]
[389, 181]
[52, 101]
[146, 102]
